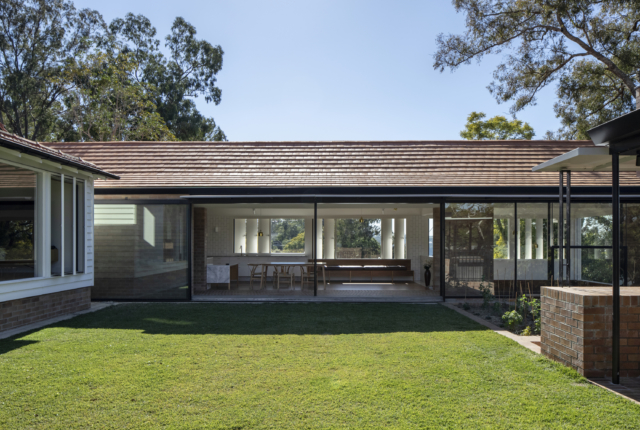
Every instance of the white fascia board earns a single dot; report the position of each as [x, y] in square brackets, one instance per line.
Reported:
[70, 169]
[53, 163]
[579, 159]
[10, 151]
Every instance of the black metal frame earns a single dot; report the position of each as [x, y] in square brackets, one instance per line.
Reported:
[568, 248]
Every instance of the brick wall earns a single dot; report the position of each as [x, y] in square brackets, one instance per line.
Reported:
[577, 329]
[199, 249]
[16, 313]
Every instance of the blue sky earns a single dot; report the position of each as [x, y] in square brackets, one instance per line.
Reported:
[334, 70]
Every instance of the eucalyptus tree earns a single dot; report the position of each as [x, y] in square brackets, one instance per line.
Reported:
[590, 48]
[38, 40]
[188, 72]
[496, 128]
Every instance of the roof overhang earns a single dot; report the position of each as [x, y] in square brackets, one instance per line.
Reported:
[590, 159]
[620, 131]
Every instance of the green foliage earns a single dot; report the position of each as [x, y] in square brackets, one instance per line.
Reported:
[66, 75]
[512, 319]
[496, 128]
[16, 240]
[105, 104]
[487, 295]
[38, 41]
[351, 233]
[590, 48]
[466, 306]
[296, 244]
[283, 231]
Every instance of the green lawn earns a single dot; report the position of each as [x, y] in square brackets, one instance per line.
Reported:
[240, 366]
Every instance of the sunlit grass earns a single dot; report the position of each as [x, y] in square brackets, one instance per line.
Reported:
[289, 366]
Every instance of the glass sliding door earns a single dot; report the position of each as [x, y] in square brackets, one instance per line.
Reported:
[480, 248]
[142, 251]
[532, 241]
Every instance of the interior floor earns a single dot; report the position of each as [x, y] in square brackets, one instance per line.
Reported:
[333, 289]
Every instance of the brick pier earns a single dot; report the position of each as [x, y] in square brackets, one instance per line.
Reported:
[577, 329]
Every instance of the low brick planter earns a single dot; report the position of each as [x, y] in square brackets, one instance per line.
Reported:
[577, 328]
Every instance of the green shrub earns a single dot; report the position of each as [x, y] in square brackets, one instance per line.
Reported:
[512, 319]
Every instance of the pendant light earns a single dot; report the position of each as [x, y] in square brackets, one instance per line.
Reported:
[260, 233]
[361, 219]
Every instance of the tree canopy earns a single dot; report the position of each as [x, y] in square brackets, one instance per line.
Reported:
[590, 48]
[496, 128]
[67, 75]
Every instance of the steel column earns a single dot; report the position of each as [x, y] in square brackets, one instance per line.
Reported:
[443, 290]
[516, 224]
[615, 179]
[568, 229]
[561, 232]
[315, 257]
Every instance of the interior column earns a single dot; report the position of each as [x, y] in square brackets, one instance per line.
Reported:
[329, 238]
[319, 240]
[386, 227]
[539, 239]
[399, 237]
[527, 239]
[240, 233]
[252, 236]
[264, 225]
[308, 237]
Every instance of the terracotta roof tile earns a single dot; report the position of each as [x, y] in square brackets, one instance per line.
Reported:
[287, 164]
[35, 148]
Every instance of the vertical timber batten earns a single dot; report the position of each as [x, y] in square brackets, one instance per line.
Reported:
[615, 350]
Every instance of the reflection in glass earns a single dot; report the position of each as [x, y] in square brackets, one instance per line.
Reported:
[141, 251]
[17, 215]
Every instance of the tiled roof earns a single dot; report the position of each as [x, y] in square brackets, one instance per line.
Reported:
[297, 164]
[37, 149]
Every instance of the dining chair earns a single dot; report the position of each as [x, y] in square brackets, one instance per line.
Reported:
[307, 275]
[286, 273]
[255, 274]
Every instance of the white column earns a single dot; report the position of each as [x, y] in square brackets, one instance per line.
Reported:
[308, 234]
[252, 236]
[399, 237]
[527, 239]
[62, 244]
[264, 241]
[319, 238]
[540, 239]
[387, 238]
[240, 232]
[518, 239]
[329, 238]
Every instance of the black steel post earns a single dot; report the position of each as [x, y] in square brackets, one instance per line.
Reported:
[549, 244]
[615, 352]
[443, 289]
[189, 242]
[561, 232]
[516, 241]
[314, 253]
[568, 228]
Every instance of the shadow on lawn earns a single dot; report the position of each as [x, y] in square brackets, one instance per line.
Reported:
[274, 319]
[8, 345]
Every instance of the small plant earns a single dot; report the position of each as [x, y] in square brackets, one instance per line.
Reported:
[535, 314]
[487, 295]
[466, 306]
[512, 319]
[526, 331]
[497, 308]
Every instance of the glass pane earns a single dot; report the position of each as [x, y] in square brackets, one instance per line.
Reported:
[80, 226]
[361, 238]
[17, 220]
[287, 236]
[69, 217]
[141, 251]
[56, 226]
[532, 240]
[479, 248]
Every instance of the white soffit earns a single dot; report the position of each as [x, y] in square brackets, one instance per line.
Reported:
[591, 159]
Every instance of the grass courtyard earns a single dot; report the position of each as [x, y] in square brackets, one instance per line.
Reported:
[241, 366]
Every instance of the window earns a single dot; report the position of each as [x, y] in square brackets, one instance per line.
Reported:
[287, 236]
[269, 236]
[358, 238]
[17, 223]
[67, 225]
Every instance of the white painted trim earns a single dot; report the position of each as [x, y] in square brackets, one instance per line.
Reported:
[39, 286]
